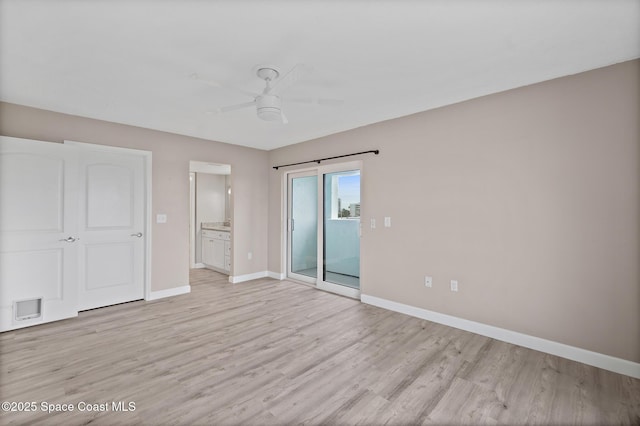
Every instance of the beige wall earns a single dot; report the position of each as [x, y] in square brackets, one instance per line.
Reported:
[529, 198]
[171, 156]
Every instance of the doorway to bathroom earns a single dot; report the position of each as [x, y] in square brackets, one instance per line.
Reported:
[210, 224]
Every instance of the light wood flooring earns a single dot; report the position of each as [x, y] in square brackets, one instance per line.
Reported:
[271, 352]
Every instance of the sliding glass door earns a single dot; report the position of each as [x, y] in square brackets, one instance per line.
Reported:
[325, 252]
[341, 230]
[303, 226]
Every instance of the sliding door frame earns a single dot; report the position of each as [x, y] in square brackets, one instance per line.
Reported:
[321, 283]
[289, 225]
[318, 282]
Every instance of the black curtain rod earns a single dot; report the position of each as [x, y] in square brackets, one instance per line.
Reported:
[375, 151]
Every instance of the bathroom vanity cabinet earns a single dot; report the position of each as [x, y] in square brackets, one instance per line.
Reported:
[216, 250]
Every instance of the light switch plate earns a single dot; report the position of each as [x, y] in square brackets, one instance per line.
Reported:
[387, 222]
[161, 218]
[373, 223]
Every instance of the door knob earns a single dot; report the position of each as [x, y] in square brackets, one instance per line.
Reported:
[69, 239]
[139, 235]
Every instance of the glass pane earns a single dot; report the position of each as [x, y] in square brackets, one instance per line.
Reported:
[342, 228]
[304, 234]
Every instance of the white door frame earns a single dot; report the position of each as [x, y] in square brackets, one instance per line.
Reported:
[147, 155]
[320, 171]
[193, 231]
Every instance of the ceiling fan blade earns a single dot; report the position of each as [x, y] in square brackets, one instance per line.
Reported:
[291, 77]
[216, 84]
[317, 101]
[235, 107]
[330, 102]
[298, 100]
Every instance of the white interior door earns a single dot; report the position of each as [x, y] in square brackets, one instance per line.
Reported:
[38, 232]
[111, 228]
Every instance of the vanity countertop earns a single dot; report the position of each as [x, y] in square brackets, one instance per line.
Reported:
[213, 226]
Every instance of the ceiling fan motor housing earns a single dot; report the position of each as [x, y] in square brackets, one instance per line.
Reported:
[269, 107]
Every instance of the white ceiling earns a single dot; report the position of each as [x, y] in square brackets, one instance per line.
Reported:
[131, 61]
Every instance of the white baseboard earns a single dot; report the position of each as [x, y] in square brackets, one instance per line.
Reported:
[606, 362]
[276, 275]
[255, 276]
[198, 266]
[175, 291]
[248, 277]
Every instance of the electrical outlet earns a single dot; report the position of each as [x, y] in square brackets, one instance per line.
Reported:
[373, 223]
[428, 282]
[454, 285]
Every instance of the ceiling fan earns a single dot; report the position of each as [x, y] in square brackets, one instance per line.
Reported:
[268, 103]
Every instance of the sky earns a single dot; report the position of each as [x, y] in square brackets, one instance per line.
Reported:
[349, 190]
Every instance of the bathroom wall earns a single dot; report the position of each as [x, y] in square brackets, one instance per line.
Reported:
[210, 204]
